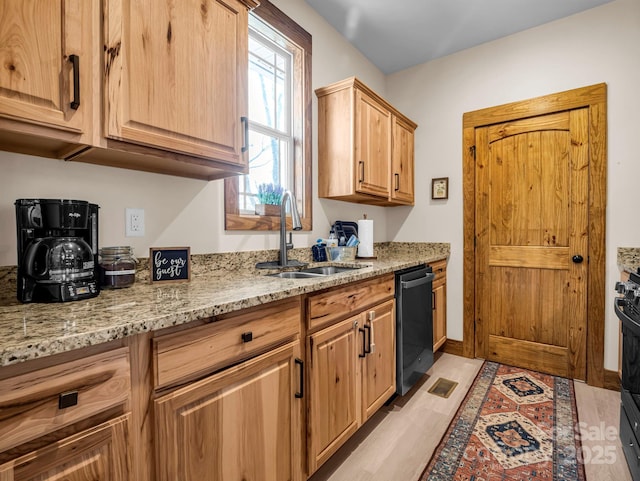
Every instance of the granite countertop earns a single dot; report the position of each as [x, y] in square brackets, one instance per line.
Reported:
[629, 258]
[219, 284]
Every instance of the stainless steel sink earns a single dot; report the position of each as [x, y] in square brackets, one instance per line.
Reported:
[296, 275]
[314, 272]
[328, 270]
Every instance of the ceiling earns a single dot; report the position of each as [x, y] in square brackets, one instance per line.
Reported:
[397, 34]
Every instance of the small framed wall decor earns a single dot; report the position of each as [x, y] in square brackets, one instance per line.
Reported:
[170, 264]
[440, 188]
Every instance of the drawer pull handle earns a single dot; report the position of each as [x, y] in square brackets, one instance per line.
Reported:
[300, 393]
[68, 399]
[364, 343]
[247, 336]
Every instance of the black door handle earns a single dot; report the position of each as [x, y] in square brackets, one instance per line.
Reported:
[577, 259]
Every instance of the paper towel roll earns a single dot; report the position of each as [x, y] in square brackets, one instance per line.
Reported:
[365, 236]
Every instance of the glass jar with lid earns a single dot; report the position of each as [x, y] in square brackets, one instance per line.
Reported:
[117, 267]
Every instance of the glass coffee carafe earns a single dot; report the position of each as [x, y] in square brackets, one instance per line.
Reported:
[59, 259]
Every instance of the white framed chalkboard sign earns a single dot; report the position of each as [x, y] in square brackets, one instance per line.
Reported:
[170, 264]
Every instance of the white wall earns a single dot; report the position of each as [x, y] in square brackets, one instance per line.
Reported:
[183, 211]
[598, 45]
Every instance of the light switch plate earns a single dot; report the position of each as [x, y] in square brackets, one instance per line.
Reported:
[134, 222]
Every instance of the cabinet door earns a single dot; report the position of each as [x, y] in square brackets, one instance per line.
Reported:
[98, 454]
[37, 41]
[334, 401]
[402, 162]
[238, 424]
[372, 146]
[379, 364]
[176, 75]
[439, 313]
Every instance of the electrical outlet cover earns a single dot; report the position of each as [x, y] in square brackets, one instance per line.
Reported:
[134, 222]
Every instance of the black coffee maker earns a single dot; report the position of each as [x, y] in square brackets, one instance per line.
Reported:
[57, 250]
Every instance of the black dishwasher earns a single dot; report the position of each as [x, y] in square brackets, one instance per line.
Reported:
[414, 326]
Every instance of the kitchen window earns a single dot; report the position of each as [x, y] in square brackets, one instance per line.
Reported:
[279, 120]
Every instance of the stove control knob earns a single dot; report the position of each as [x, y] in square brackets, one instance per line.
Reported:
[621, 287]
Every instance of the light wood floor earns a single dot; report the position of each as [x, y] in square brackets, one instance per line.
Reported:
[397, 442]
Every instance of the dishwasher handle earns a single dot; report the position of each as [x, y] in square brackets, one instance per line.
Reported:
[428, 277]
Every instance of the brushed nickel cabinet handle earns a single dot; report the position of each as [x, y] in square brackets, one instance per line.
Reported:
[361, 168]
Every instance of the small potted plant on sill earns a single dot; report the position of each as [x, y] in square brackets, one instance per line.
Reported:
[269, 198]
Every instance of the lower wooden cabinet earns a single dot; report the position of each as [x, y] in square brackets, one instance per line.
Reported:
[351, 374]
[97, 454]
[439, 300]
[334, 405]
[379, 362]
[243, 423]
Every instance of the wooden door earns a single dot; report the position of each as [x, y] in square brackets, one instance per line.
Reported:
[176, 75]
[334, 402]
[37, 42]
[238, 424]
[402, 162]
[378, 365]
[98, 454]
[372, 146]
[532, 242]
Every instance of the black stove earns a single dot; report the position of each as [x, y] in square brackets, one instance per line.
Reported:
[627, 308]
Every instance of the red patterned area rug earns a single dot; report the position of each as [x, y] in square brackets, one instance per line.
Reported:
[515, 425]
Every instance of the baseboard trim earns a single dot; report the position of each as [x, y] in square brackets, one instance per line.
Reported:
[451, 346]
[611, 380]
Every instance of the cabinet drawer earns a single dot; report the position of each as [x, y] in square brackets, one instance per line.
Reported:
[184, 355]
[32, 405]
[439, 268]
[343, 301]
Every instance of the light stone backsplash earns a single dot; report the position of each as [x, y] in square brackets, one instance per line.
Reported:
[219, 263]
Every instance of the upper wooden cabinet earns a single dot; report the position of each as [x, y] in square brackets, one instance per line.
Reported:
[402, 162]
[46, 69]
[161, 89]
[175, 78]
[365, 147]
